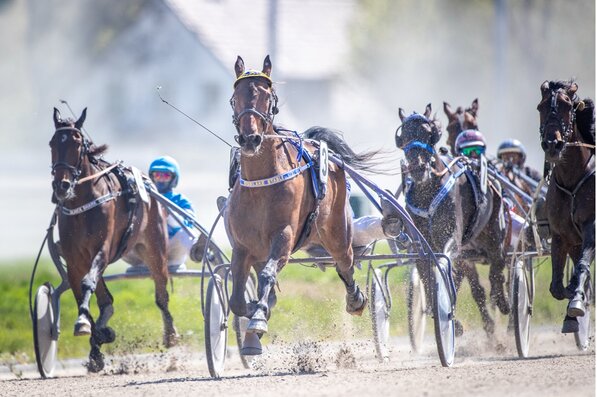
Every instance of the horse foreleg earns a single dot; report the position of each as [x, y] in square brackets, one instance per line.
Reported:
[558, 262]
[576, 307]
[240, 268]
[88, 285]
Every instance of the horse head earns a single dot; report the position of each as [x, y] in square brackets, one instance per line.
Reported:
[417, 140]
[254, 104]
[557, 112]
[69, 147]
[460, 120]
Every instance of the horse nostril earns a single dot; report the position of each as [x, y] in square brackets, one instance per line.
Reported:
[65, 185]
[559, 145]
[256, 140]
[544, 145]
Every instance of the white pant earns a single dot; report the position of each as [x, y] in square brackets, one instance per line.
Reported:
[178, 248]
[366, 230]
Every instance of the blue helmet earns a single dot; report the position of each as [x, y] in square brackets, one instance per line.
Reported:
[165, 164]
[512, 146]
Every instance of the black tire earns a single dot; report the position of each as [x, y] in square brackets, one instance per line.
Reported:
[417, 310]
[443, 315]
[45, 341]
[522, 309]
[241, 323]
[380, 317]
[583, 336]
[216, 333]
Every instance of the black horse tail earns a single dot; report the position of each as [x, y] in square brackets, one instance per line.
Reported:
[365, 161]
[585, 121]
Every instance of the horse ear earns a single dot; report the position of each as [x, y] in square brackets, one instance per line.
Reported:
[239, 66]
[57, 118]
[427, 110]
[448, 110]
[475, 107]
[401, 114]
[79, 123]
[436, 133]
[267, 66]
[545, 89]
[398, 139]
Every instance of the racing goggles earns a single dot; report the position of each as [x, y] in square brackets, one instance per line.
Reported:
[161, 176]
[473, 150]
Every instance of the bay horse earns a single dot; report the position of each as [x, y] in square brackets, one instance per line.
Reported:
[440, 197]
[102, 218]
[267, 220]
[567, 135]
[460, 120]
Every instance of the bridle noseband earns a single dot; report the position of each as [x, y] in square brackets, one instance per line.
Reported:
[76, 169]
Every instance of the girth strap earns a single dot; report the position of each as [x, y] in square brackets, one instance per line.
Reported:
[572, 195]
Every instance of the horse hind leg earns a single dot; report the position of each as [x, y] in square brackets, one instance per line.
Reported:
[356, 301]
[478, 293]
[101, 332]
[160, 279]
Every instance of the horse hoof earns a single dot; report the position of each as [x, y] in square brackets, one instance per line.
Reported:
[576, 308]
[82, 327]
[570, 325]
[95, 364]
[356, 303]
[171, 339]
[257, 326]
[458, 328]
[106, 335]
[251, 345]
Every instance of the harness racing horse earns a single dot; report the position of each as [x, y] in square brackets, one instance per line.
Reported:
[102, 218]
[273, 203]
[459, 121]
[567, 129]
[440, 197]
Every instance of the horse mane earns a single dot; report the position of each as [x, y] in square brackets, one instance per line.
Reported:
[585, 121]
[560, 84]
[363, 161]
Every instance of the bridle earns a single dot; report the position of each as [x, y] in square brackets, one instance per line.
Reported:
[417, 144]
[267, 118]
[75, 170]
[555, 116]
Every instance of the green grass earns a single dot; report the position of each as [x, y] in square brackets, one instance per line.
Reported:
[310, 305]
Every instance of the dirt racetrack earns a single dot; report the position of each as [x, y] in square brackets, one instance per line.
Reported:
[308, 368]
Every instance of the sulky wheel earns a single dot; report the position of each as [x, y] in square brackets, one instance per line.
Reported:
[241, 323]
[45, 336]
[216, 330]
[522, 304]
[380, 316]
[417, 310]
[443, 315]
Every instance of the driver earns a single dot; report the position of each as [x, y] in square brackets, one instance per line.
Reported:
[513, 154]
[164, 171]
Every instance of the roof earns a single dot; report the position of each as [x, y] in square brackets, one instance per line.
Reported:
[312, 40]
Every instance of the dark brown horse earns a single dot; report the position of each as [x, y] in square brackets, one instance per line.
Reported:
[567, 128]
[459, 121]
[103, 218]
[267, 220]
[443, 214]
